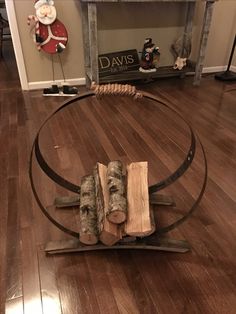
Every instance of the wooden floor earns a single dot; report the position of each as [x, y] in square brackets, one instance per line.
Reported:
[201, 281]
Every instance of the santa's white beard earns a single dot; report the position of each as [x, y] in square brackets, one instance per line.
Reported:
[49, 19]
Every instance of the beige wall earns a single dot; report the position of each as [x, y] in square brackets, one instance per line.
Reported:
[38, 64]
[223, 30]
[125, 26]
[133, 23]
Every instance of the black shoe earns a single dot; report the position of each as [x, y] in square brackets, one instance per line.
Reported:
[60, 48]
[54, 90]
[69, 90]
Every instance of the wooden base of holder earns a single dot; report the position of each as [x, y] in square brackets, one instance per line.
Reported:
[157, 243]
[153, 242]
[155, 199]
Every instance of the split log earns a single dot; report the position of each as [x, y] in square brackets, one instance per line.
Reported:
[140, 219]
[117, 209]
[88, 213]
[109, 233]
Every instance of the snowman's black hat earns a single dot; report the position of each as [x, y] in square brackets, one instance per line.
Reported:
[148, 43]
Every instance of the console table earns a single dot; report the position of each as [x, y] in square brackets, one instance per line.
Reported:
[89, 25]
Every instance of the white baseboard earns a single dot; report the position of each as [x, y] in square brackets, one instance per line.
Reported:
[81, 81]
[233, 68]
[45, 84]
[218, 69]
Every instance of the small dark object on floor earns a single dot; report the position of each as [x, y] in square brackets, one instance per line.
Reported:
[54, 90]
[69, 90]
[226, 76]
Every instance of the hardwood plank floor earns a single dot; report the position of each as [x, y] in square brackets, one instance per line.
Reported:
[109, 128]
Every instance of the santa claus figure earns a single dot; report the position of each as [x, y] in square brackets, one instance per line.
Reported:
[50, 36]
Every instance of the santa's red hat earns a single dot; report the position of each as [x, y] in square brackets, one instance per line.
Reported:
[38, 3]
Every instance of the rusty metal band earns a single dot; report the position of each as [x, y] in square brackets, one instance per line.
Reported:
[76, 188]
[188, 158]
[180, 171]
[50, 172]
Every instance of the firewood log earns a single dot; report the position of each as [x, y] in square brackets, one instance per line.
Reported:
[140, 218]
[117, 209]
[109, 233]
[88, 213]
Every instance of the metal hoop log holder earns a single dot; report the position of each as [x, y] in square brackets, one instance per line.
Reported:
[155, 241]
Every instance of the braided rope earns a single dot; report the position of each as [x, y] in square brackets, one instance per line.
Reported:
[35, 26]
[116, 89]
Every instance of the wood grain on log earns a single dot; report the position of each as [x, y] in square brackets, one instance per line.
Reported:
[140, 220]
[88, 213]
[117, 209]
[109, 233]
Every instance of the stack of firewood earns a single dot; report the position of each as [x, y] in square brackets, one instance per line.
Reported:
[113, 205]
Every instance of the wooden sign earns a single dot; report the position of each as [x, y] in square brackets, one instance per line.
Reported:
[118, 62]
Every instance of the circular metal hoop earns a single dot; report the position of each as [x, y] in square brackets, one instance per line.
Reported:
[152, 189]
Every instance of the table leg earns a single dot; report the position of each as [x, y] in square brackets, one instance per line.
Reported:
[93, 42]
[85, 30]
[189, 23]
[203, 42]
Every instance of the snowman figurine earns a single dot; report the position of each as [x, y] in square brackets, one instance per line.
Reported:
[50, 35]
[149, 57]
